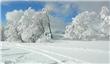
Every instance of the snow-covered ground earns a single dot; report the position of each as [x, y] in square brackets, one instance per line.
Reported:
[57, 52]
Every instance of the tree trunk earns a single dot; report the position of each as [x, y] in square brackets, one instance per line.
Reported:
[19, 35]
[49, 26]
[2, 34]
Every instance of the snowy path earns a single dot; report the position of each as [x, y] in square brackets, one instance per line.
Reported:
[35, 51]
[71, 53]
[61, 57]
[58, 58]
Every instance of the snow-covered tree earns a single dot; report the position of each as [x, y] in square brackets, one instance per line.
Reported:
[105, 21]
[26, 26]
[104, 12]
[11, 31]
[89, 26]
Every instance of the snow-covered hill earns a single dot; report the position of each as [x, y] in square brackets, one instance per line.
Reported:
[58, 52]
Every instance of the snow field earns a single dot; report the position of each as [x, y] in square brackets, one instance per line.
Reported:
[74, 52]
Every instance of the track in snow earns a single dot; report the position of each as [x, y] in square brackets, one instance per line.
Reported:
[46, 54]
[57, 57]
[37, 52]
[61, 57]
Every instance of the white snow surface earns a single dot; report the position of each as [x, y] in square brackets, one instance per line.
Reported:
[57, 52]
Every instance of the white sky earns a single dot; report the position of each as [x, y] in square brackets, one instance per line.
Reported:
[93, 5]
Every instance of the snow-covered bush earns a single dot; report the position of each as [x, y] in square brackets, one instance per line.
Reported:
[89, 26]
[27, 26]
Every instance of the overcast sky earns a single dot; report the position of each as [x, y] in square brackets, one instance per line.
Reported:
[93, 5]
